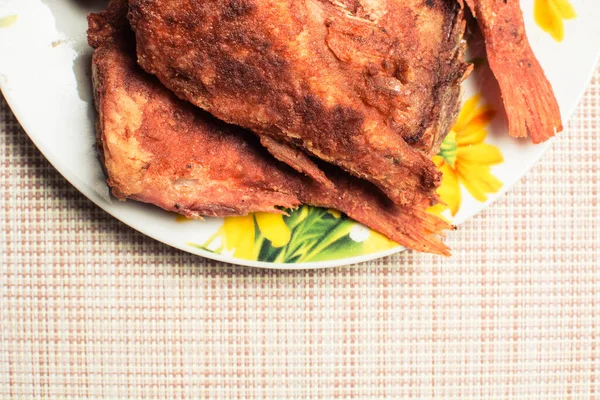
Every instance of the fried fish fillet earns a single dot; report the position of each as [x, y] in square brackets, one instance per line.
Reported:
[159, 149]
[528, 97]
[357, 83]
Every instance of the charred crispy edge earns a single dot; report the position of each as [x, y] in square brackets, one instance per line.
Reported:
[531, 106]
[105, 44]
[412, 228]
[105, 29]
[109, 25]
[451, 76]
[296, 159]
[218, 210]
[98, 89]
[447, 92]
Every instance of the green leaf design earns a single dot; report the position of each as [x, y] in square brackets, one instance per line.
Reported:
[316, 235]
[449, 148]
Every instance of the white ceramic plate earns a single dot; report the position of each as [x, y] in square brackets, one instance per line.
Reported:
[44, 75]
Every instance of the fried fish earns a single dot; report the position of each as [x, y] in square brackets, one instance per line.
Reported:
[528, 97]
[371, 86]
[159, 149]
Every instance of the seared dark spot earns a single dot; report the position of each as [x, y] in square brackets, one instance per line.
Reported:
[236, 75]
[346, 121]
[245, 39]
[170, 20]
[351, 5]
[413, 139]
[416, 136]
[309, 107]
[255, 72]
[337, 125]
[431, 180]
[238, 8]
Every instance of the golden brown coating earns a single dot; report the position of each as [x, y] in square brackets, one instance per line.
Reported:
[161, 150]
[528, 97]
[353, 82]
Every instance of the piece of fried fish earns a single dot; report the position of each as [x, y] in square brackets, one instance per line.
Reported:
[372, 86]
[529, 100]
[159, 149]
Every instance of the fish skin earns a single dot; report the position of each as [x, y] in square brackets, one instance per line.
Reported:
[371, 86]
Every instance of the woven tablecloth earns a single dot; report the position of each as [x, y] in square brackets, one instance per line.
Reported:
[90, 308]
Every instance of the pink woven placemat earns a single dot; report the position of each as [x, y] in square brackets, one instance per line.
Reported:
[92, 309]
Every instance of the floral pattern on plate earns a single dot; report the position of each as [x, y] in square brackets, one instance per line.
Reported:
[307, 234]
[465, 159]
[550, 14]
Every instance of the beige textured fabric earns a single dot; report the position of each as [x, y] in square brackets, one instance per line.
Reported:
[91, 309]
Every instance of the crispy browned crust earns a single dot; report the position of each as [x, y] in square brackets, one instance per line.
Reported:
[161, 150]
[528, 97]
[110, 25]
[352, 83]
[155, 147]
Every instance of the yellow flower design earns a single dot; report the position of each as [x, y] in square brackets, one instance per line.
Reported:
[465, 159]
[8, 21]
[273, 228]
[238, 234]
[335, 213]
[549, 15]
[377, 242]
[307, 234]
